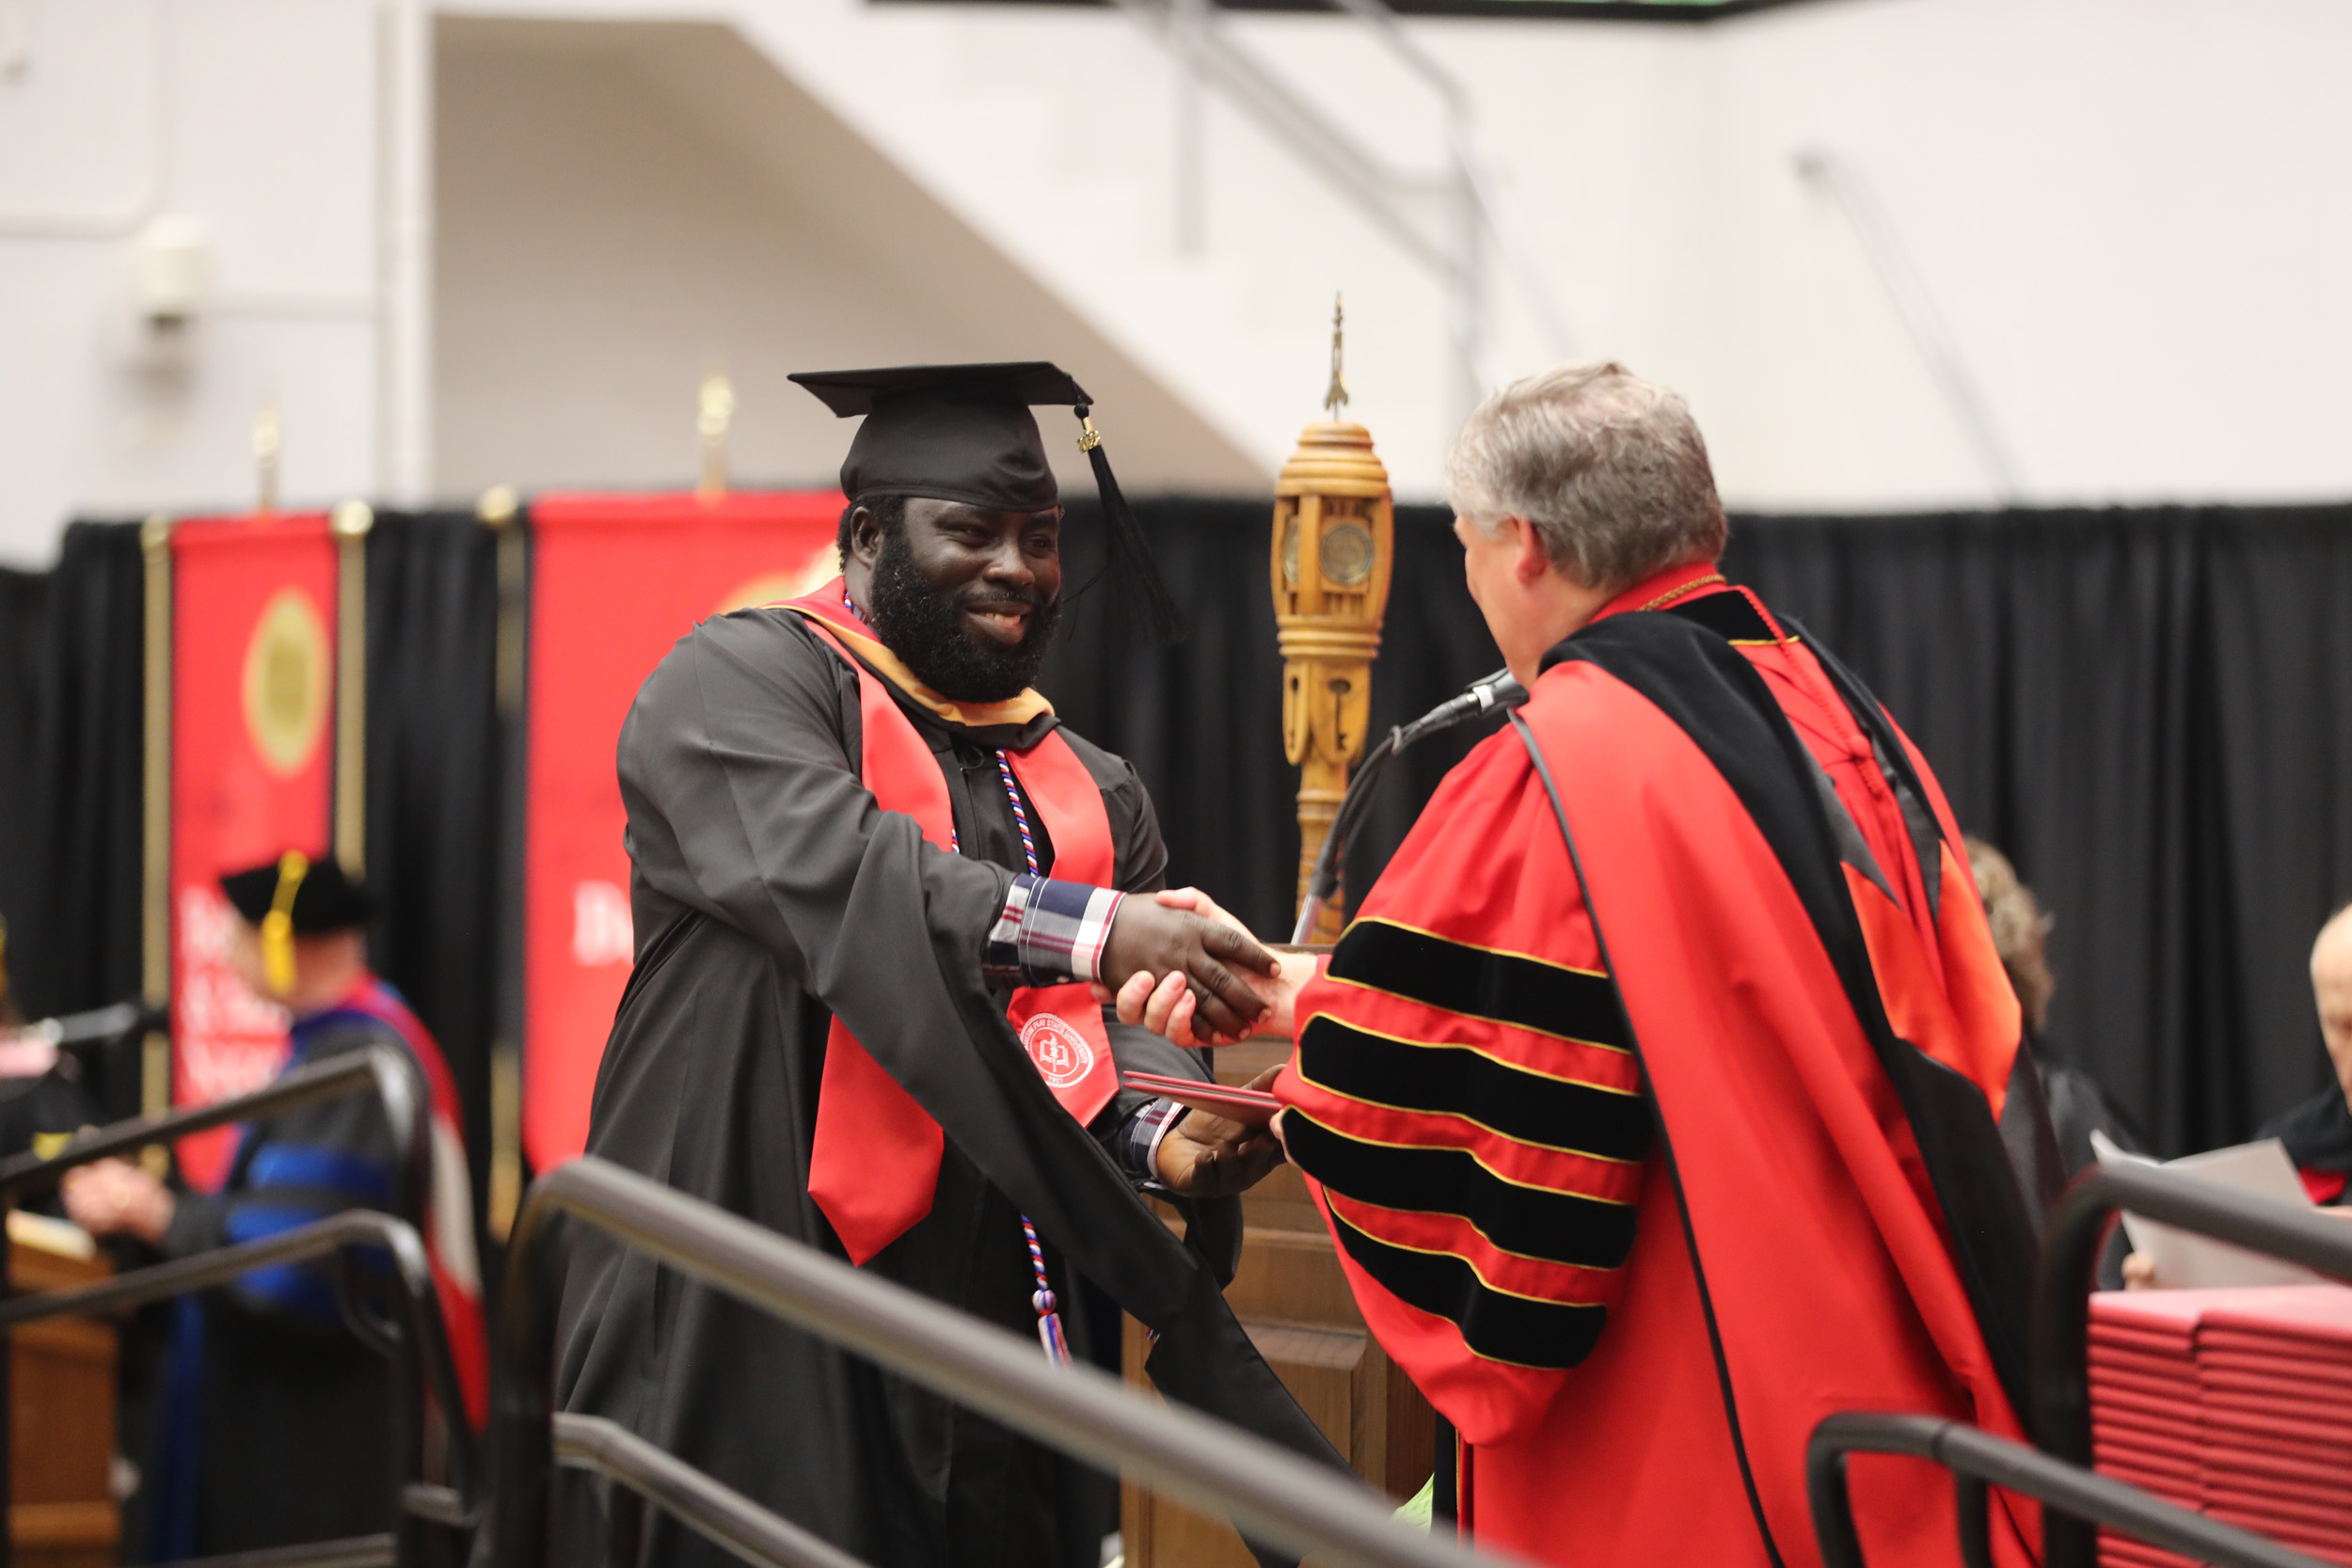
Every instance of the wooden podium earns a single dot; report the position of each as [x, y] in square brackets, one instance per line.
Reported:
[1294, 1303]
[61, 1440]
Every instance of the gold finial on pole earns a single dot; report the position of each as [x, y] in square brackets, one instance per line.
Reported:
[1335, 398]
[715, 413]
[268, 439]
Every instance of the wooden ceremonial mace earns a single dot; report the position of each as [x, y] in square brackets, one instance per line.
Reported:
[1334, 527]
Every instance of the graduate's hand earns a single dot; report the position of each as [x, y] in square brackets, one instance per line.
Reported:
[1168, 1007]
[1206, 1155]
[1213, 958]
[114, 1198]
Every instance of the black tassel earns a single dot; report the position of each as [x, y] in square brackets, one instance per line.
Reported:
[1132, 568]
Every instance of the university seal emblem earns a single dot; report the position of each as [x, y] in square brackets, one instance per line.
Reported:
[1062, 1053]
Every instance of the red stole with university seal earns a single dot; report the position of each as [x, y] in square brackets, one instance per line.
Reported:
[874, 1164]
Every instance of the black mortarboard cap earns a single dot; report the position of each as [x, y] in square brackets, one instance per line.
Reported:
[964, 432]
[325, 900]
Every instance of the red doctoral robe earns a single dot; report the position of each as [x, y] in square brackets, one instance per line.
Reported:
[1637, 1208]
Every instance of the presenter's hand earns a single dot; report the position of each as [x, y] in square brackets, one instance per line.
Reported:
[1166, 1005]
[1205, 1155]
[1155, 941]
[114, 1198]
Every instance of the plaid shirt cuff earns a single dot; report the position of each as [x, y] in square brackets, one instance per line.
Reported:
[1050, 934]
[1137, 1145]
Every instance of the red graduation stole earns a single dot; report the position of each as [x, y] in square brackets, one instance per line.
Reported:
[874, 1164]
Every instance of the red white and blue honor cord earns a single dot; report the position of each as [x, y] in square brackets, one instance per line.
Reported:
[1049, 1330]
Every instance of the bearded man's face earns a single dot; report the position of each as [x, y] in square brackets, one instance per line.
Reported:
[966, 596]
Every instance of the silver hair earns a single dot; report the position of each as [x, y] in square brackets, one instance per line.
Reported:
[1610, 469]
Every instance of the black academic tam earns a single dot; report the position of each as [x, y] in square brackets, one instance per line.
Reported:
[964, 432]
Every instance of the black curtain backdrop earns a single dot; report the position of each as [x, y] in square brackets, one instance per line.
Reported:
[435, 839]
[74, 927]
[2150, 710]
[24, 620]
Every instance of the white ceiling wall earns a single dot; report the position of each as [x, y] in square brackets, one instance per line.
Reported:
[623, 208]
[258, 119]
[2132, 213]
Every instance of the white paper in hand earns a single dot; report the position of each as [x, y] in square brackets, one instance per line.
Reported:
[2184, 1260]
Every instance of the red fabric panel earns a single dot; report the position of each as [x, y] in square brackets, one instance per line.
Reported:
[616, 580]
[252, 761]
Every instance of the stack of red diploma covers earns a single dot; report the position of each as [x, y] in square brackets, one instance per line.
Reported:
[2235, 1402]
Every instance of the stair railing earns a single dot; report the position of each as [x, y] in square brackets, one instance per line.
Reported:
[1273, 1493]
[2075, 1498]
[2059, 1350]
[418, 1342]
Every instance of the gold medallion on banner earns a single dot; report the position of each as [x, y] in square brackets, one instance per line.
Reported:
[287, 679]
[777, 587]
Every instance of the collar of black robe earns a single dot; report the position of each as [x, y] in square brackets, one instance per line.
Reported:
[1015, 724]
[2317, 1133]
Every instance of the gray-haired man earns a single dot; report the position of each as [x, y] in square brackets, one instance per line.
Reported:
[1645, 1154]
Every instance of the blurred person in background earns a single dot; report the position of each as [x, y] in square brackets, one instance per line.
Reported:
[275, 1422]
[42, 1093]
[2079, 1104]
[2318, 1132]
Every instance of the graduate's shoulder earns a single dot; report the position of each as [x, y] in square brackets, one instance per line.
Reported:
[1112, 772]
[742, 652]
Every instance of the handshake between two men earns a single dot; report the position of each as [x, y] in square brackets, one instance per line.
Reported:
[1181, 967]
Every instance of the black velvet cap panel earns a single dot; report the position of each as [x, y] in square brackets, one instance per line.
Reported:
[958, 433]
[327, 901]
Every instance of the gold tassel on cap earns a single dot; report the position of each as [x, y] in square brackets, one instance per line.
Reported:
[278, 946]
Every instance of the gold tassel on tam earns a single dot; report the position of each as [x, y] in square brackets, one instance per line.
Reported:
[277, 945]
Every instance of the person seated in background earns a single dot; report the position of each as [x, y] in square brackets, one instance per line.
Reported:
[42, 1096]
[1660, 1098]
[2318, 1132]
[2079, 1104]
[277, 1422]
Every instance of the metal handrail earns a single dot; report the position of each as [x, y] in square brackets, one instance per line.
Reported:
[2070, 1252]
[399, 1087]
[357, 1551]
[1269, 1491]
[423, 1343]
[713, 1508]
[388, 1071]
[1977, 1460]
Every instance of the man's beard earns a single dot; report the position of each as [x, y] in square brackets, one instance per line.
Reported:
[926, 629]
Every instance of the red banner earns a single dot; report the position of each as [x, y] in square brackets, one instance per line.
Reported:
[616, 580]
[252, 750]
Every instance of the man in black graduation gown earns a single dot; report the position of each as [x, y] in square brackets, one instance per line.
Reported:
[776, 902]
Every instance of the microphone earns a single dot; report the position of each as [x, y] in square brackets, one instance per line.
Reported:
[1494, 693]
